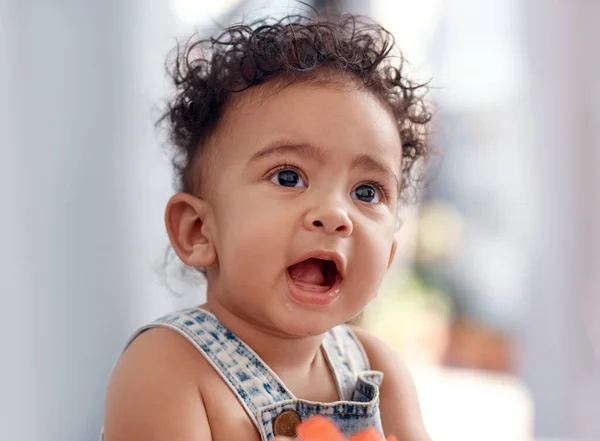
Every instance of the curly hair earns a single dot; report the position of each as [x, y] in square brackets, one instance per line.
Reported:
[207, 72]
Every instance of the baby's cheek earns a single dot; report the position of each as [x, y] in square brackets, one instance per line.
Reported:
[373, 259]
[250, 251]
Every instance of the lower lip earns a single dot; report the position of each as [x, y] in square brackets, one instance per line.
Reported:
[307, 297]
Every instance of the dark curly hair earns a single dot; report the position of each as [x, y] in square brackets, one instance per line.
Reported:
[207, 72]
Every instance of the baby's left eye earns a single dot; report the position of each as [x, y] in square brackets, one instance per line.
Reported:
[366, 193]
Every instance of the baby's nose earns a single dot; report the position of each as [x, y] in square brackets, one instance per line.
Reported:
[330, 220]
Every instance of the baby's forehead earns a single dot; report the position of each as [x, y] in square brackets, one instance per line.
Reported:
[306, 113]
[320, 78]
[313, 101]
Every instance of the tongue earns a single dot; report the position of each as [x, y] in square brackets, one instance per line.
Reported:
[308, 271]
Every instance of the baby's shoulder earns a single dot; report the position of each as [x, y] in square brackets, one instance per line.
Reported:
[170, 346]
[153, 393]
[161, 347]
[374, 348]
[400, 410]
[381, 356]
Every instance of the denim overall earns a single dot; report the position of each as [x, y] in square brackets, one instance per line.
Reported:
[269, 404]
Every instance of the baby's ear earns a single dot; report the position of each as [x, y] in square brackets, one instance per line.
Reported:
[393, 251]
[188, 220]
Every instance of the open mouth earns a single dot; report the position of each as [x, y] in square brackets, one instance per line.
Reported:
[314, 274]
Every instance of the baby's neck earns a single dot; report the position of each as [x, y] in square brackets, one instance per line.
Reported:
[282, 353]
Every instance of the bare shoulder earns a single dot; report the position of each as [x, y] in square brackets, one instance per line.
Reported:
[399, 404]
[153, 393]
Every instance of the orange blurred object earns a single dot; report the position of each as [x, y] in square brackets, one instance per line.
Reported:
[319, 428]
[370, 435]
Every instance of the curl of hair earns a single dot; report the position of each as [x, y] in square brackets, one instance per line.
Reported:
[206, 72]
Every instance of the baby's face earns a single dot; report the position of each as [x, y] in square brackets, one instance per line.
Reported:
[304, 191]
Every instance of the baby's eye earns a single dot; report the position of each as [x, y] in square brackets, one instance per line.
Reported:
[287, 178]
[366, 193]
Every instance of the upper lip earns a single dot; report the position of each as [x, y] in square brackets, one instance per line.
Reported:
[334, 256]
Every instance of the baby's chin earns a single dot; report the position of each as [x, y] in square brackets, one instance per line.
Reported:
[299, 323]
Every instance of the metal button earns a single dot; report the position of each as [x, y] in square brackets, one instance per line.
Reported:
[285, 423]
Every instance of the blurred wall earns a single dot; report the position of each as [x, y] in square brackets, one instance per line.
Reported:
[83, 188]
[559, 353]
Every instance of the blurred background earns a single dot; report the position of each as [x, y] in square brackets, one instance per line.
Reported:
[495, 299]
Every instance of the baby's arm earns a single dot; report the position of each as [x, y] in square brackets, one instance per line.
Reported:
[399, 405]
[153, 394]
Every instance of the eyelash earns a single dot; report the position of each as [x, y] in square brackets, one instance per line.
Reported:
[286, 166]
[381, 187]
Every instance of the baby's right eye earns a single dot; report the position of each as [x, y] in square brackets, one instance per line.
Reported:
[287, 178]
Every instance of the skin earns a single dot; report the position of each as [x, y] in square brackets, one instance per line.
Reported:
[246, 230]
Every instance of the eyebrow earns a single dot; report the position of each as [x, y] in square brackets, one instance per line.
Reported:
[283, 147]
[368, 162]
[364, 160]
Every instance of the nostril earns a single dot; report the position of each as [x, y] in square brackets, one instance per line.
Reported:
[318, 223]
[341, 228]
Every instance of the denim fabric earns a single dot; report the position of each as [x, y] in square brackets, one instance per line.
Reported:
[260, 391]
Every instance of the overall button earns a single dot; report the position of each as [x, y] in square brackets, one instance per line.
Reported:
[285, 423]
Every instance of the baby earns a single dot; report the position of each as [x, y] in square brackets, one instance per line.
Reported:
[295, 142]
